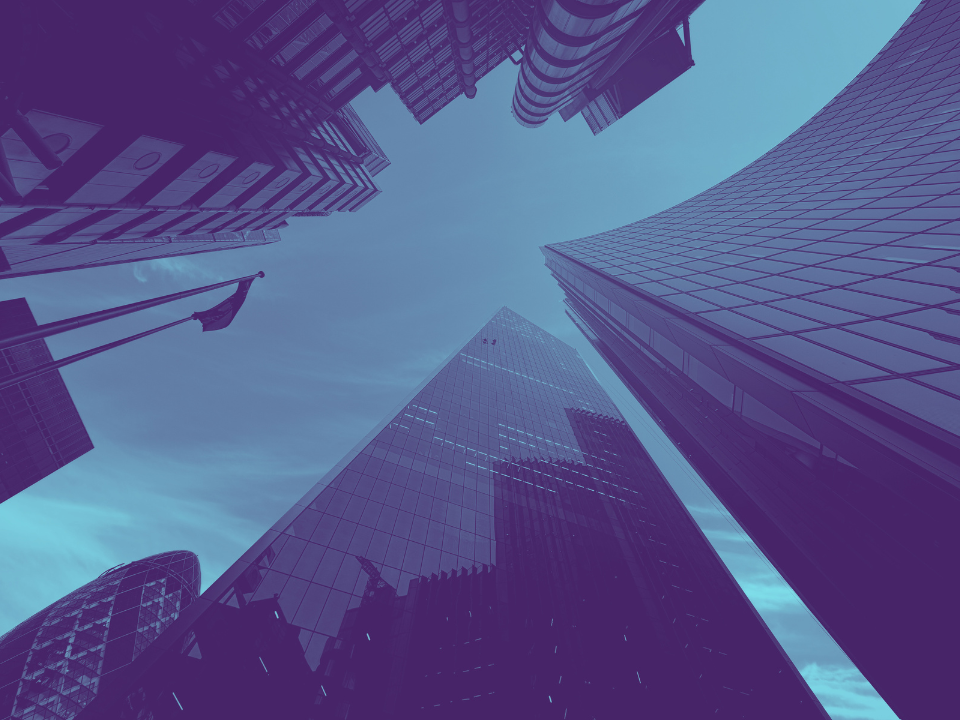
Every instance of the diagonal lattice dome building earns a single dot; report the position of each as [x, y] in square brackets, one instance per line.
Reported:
[51, 664]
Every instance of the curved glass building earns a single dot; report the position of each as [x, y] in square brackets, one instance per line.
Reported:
[796, 331]
[51, 665]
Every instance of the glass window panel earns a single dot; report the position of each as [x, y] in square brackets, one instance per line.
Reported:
[448, 562]
[371, 513]
[378, 546]
[291, 596]
[304, 524]
[785, 285]
[395, 552]
[388, 518]
[325, 529]
[907, 337]
[821, 359]
[909, 291]
[289, 555]
[435, 534]
[824, 313]
[937, 320]
[468, 520]
[453, 515]
[343, 535]
[310, 606]
[379, 491]
[413, 558]
[860, 302]
[329, 567]
[439, 510]
[333, 611]
[826, 276]
[404, 524]
[949, 381]
[778, 318]
[451, 540]
[361, 541]
[467, 547]
[930, 405]
[738, 323]
[418, 531]
[309, 560]
[348, 574]
[394, 496]
[271, 585]
[431, 561]
[338, 503]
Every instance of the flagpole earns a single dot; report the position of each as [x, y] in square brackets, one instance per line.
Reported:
[47, 367]
[60, 326]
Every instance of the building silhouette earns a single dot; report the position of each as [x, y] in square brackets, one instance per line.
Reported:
[51, 665]
[132, 131]
[795, 331]
[144, 130]
[601, 59]
[40, 428]
[500, 545]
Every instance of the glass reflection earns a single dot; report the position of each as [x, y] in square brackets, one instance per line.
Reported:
[501, 545]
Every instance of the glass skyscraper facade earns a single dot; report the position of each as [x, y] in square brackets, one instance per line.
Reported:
[796, 331]
[40, 428]
[501, 545]
[51, 665]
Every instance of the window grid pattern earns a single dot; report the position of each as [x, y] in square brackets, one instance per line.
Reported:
[840, 248]
[51, 664]
[408, 39]
[511, 457]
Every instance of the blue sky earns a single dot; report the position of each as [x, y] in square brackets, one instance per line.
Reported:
[204, 440]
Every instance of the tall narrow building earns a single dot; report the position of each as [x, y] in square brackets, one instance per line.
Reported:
[40, 428]
[500, 546]
[51, 665]
[795, 330]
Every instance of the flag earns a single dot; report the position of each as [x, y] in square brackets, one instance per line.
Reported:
[219, 316]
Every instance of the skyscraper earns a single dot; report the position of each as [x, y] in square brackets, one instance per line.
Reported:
[795, 331]
[40, 428]
[51, 665]
[501, 545]
[131, 131]
[600, 59]
[144, 130]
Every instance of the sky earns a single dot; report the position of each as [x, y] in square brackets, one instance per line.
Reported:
[203, 440]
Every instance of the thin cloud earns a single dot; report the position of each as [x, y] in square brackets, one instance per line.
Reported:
[179, 268]
[845, 694]
[769, 594]
[65, 538]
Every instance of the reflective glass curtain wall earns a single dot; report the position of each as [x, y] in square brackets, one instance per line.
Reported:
[502, 544]
[795, 330]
